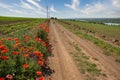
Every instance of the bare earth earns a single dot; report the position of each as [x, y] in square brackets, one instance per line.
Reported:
[63, 63]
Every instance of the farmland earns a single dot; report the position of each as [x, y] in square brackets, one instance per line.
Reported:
[24, 49]
[101, 29]
[11, 26]
[7, 20]
[99, 20]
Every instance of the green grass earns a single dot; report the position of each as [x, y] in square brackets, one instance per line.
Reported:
[11, 29]
[84, 64]
[8, 19]
[107, 30]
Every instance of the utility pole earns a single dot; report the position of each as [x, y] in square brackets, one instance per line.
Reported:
[47, 12]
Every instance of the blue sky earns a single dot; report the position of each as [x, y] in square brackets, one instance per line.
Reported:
[61, 8]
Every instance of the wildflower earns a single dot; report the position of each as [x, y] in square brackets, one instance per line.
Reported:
[26, 55]
[4, 57]
[9, 38]
[40, 54]
[40, 58]
[1, 42]
[4, 51]
[15, 52]
[41, 78]
[30, 49]
[24, 41]
[41, 63]
[2, 78]
[16, 39]
[38, 73]
[25, 66]
[36, 52]
[2, 47]
[9, 76]
[22, 48]
[17, 45]
[3, 39]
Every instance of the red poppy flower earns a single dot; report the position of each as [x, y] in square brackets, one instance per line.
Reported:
[40, 54]
[4, 51]
[22, 48]
[2, 78]
[41, 63]
[41, 78]
[9, 76]
[17, 45]
[36, 52]
[4, 57]
[24, 40]
[38, 73]
[1, 42]
[16, 39]
[30, 49]
[25, 66]
[15, 52]
[27, 55]
[3, 39]
[9, 38]
[2, 47]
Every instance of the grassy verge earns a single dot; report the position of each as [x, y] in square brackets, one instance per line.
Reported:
[108, 49]
[89, 69]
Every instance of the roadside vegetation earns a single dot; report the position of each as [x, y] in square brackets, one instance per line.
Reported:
[86, 67]
[24, 49]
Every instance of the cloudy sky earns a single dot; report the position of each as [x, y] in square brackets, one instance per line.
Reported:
[61, 8]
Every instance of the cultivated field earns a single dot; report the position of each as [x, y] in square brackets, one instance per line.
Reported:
[109, 31]
[24, 48]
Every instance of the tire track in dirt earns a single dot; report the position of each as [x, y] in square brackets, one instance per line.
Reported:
[65, 68]
[107, 64]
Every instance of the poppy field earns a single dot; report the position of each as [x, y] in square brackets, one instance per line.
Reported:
[24, 51]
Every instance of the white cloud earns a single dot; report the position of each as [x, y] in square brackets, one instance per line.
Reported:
[18, 11]
[26, 5]
[52, 9]
[96, 8]
[2, 5]
[116, 3]
[35, 3]
[74, 5]
[38, 0]
[40, 12]
[22, 9]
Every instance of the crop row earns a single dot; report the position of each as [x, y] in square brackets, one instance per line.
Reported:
[11, 19]
[24, 55]
[106, 30]
[10, 29]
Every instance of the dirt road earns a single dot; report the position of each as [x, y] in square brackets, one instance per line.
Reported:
[64, 65]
